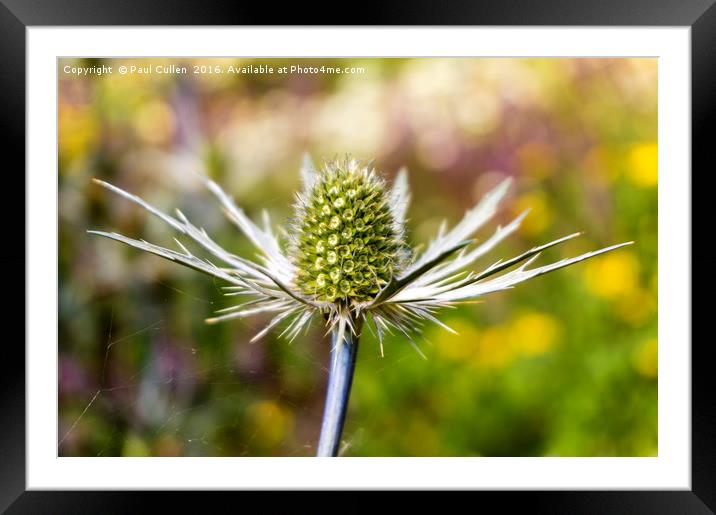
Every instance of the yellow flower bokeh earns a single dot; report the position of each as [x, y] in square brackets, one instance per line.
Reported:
[646, 359]
[643, 167]
[534, 333]
[613, 275]
[77, 131]
[530, 333]
[539, 217]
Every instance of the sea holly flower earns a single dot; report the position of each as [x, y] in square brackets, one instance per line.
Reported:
[346, 259]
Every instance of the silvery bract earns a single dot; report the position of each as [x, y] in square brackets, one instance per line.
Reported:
[346, 257]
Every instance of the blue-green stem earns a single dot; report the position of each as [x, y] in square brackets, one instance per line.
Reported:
[340, 378]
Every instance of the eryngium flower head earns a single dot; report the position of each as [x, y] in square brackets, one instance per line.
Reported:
[346, 258]
[347, 246]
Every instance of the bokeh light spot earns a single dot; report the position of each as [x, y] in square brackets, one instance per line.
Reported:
[534, 333]
[644, 164]
[612, 276]
[154, 122]
[646, 359]
[539, 217]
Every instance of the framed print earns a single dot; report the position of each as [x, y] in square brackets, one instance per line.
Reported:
[363, 257]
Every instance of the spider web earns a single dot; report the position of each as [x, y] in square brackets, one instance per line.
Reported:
[189, 398]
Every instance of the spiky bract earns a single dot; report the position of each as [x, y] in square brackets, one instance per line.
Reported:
[346, 259]
[346, 245]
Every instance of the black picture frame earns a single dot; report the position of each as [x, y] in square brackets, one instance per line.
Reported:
[17, 15]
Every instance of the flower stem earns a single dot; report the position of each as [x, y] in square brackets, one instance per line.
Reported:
[340, 378]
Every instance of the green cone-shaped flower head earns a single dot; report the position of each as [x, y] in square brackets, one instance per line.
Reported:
[347, 244]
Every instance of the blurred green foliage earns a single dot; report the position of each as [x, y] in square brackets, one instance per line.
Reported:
[565, 365]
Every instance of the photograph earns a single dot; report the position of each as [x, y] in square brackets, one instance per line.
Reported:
[357, 256]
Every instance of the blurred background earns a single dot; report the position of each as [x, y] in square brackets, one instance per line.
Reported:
[563, 365]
